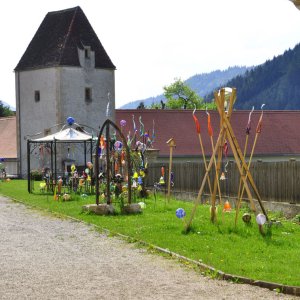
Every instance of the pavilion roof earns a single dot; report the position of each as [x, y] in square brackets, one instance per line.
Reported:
[66, 135]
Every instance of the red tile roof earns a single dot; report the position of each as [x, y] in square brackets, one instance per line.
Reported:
[8, 137]
[280, 130]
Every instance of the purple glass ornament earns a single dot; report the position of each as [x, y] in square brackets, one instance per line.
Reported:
[118, 145]
[123, 123]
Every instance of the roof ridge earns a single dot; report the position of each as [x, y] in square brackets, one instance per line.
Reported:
[68, 34]
[62, 10]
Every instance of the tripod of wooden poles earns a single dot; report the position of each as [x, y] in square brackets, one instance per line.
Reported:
[226, 133]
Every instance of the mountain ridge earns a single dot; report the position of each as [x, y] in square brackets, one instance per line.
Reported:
[202, 84]
[275, 83]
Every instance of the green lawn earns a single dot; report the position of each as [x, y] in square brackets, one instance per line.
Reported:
[241, 251]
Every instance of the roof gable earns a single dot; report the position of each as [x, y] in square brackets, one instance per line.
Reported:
[57, 40]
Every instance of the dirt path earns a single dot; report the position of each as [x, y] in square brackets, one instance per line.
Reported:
[43, 257]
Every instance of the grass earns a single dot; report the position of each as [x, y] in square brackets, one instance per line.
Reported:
[240, 251]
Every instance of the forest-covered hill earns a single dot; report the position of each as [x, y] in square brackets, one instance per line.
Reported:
[275, 83]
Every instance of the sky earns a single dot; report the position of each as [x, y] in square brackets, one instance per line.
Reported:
[153, 42]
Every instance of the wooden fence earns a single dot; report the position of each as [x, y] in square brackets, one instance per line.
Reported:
[276, 181]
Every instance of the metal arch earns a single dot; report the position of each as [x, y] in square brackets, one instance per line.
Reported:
[106, 125]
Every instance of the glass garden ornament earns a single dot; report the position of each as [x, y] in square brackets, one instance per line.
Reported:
[140, 180]
[180, 213]
[123, 123]
[161, 180]
[142, 205]
[118, 145]
[261, 220]
[222, 176]
[73, 168]
[70, 121]
[246, 218]
[227, 207]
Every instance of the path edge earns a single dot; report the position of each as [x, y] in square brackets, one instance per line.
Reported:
[281, 288]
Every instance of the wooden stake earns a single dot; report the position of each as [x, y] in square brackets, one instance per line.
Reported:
[205, 163]
[240, 196]
[197, 201]
[245, 151]
[244, 165]
[248, 128]
[217, 171]
[201, 145]
[171, 143]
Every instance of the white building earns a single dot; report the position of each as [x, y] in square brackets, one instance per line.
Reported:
[65, 71]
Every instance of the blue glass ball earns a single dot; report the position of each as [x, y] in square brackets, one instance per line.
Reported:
[140, 180]
[180, 213]
[70, 121]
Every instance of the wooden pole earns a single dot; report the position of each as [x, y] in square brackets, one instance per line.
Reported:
[217, 167]
[108, 166]
[244, 165]
[245, 152]
[205, 163]
[201, 146]
[171, 143]
[197, 201]
[240, 196]
[220, 100]
[236, 155]
[248, 128]
[241, 193]
[170, 171]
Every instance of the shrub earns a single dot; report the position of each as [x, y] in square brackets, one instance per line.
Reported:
[36, 175]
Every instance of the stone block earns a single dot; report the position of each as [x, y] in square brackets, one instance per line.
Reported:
[101, 209]
[133, 208]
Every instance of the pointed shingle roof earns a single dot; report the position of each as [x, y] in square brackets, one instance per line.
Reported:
[57, 40]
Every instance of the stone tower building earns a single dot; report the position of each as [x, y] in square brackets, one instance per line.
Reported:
[65, 71]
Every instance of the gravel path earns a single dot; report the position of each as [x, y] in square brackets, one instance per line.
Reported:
[43, 257]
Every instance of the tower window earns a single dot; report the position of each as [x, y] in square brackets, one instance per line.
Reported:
[88, 94]
[87, 53]
[37, 96]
